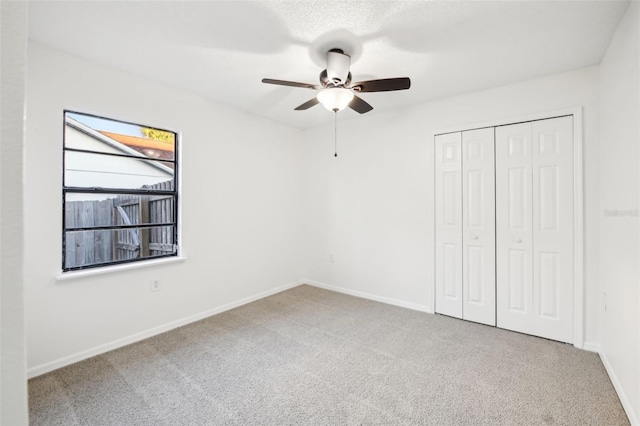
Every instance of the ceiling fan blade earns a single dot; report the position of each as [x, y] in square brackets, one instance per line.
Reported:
[382, 85]
[359, 105]
[311, 102]
[290, 83]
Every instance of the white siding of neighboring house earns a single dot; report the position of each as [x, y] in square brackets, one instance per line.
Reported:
[107, 171]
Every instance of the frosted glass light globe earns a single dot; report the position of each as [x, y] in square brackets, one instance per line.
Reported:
[335, 99]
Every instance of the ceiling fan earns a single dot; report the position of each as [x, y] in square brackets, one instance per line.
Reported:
[336, 90]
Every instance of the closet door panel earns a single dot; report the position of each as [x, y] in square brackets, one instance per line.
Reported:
[518, 281]
[478, 226]
[514, 236]
[448, 226]
[552, 159]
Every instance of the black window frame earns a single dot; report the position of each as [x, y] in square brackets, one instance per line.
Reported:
[172, 193]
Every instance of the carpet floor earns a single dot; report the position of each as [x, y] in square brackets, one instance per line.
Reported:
[309, 356]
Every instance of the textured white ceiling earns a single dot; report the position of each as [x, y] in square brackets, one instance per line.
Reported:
[222, 49]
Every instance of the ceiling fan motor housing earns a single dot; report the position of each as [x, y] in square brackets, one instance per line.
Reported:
[338, 64]
[326, 82]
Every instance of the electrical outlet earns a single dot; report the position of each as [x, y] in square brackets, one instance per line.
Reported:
[155, 285]
[331, 258]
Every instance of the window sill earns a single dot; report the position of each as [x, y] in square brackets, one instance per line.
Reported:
[72, 275]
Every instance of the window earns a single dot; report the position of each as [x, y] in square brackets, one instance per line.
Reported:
[120, 192]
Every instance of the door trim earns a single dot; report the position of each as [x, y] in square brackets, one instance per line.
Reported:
[578, 204]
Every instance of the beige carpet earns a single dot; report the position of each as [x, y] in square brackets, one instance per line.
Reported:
[313, 357]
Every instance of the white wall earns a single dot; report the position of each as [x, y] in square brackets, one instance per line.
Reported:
[372, 207]
[13, 387]
[240, 211]
[619, 190]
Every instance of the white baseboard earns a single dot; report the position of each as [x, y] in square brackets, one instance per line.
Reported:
[626, 404]
[100, 349]
[591, 346]
[387, 300]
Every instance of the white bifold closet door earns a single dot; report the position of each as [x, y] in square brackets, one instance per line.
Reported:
[448, 194]
[478, 227]
[534, 231]
[465, 225]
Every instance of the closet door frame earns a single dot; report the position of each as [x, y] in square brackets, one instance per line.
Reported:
[578, 205]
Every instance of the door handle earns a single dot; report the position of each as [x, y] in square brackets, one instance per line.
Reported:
[474, 237]
[517, 240]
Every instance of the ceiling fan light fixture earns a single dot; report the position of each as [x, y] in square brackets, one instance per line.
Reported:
[335, 99]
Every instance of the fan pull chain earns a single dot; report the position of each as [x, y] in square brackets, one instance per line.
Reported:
[335, 126]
